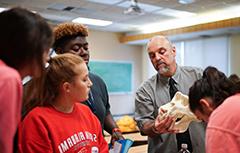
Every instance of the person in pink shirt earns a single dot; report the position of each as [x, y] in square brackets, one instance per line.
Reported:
[216, 99]
[25, 40]
[60, 123]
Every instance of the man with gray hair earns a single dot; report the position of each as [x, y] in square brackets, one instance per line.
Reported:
[159, 90]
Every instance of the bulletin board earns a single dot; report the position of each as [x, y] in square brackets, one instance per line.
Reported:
[116, 75]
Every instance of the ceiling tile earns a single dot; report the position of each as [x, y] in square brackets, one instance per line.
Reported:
[156, 11]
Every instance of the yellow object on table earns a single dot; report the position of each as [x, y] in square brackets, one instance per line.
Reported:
[127, 124]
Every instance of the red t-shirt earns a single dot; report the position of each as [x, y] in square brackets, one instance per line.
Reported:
[10, 105]
[46, 130]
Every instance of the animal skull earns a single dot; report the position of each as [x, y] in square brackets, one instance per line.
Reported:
[178, 108]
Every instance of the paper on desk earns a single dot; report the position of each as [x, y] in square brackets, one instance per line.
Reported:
[121, 146]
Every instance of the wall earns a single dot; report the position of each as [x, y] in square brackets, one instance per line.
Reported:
[234, 46]
[105, 46]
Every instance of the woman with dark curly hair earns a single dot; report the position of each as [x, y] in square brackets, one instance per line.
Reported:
[25, 40]
[216, 99]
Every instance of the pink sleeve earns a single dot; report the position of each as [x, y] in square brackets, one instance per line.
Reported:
[10, 110]
[221, 141]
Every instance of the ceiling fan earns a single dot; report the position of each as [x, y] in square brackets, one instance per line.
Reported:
[133, 9]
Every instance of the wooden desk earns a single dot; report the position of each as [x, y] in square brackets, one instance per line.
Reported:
[141, 140]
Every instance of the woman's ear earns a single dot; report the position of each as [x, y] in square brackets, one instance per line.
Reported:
[206, 105]
[66, 87]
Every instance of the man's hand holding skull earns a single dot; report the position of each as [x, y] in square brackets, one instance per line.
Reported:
[174, 116]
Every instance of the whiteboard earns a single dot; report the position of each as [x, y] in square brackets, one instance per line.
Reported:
[116, 75]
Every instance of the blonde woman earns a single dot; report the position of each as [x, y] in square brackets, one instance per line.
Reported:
[60, 123]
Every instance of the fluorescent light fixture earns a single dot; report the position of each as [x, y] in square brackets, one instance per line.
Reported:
[186, 1]
[228, 13]
[175, 13]
[2, 9]
[89, 21]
